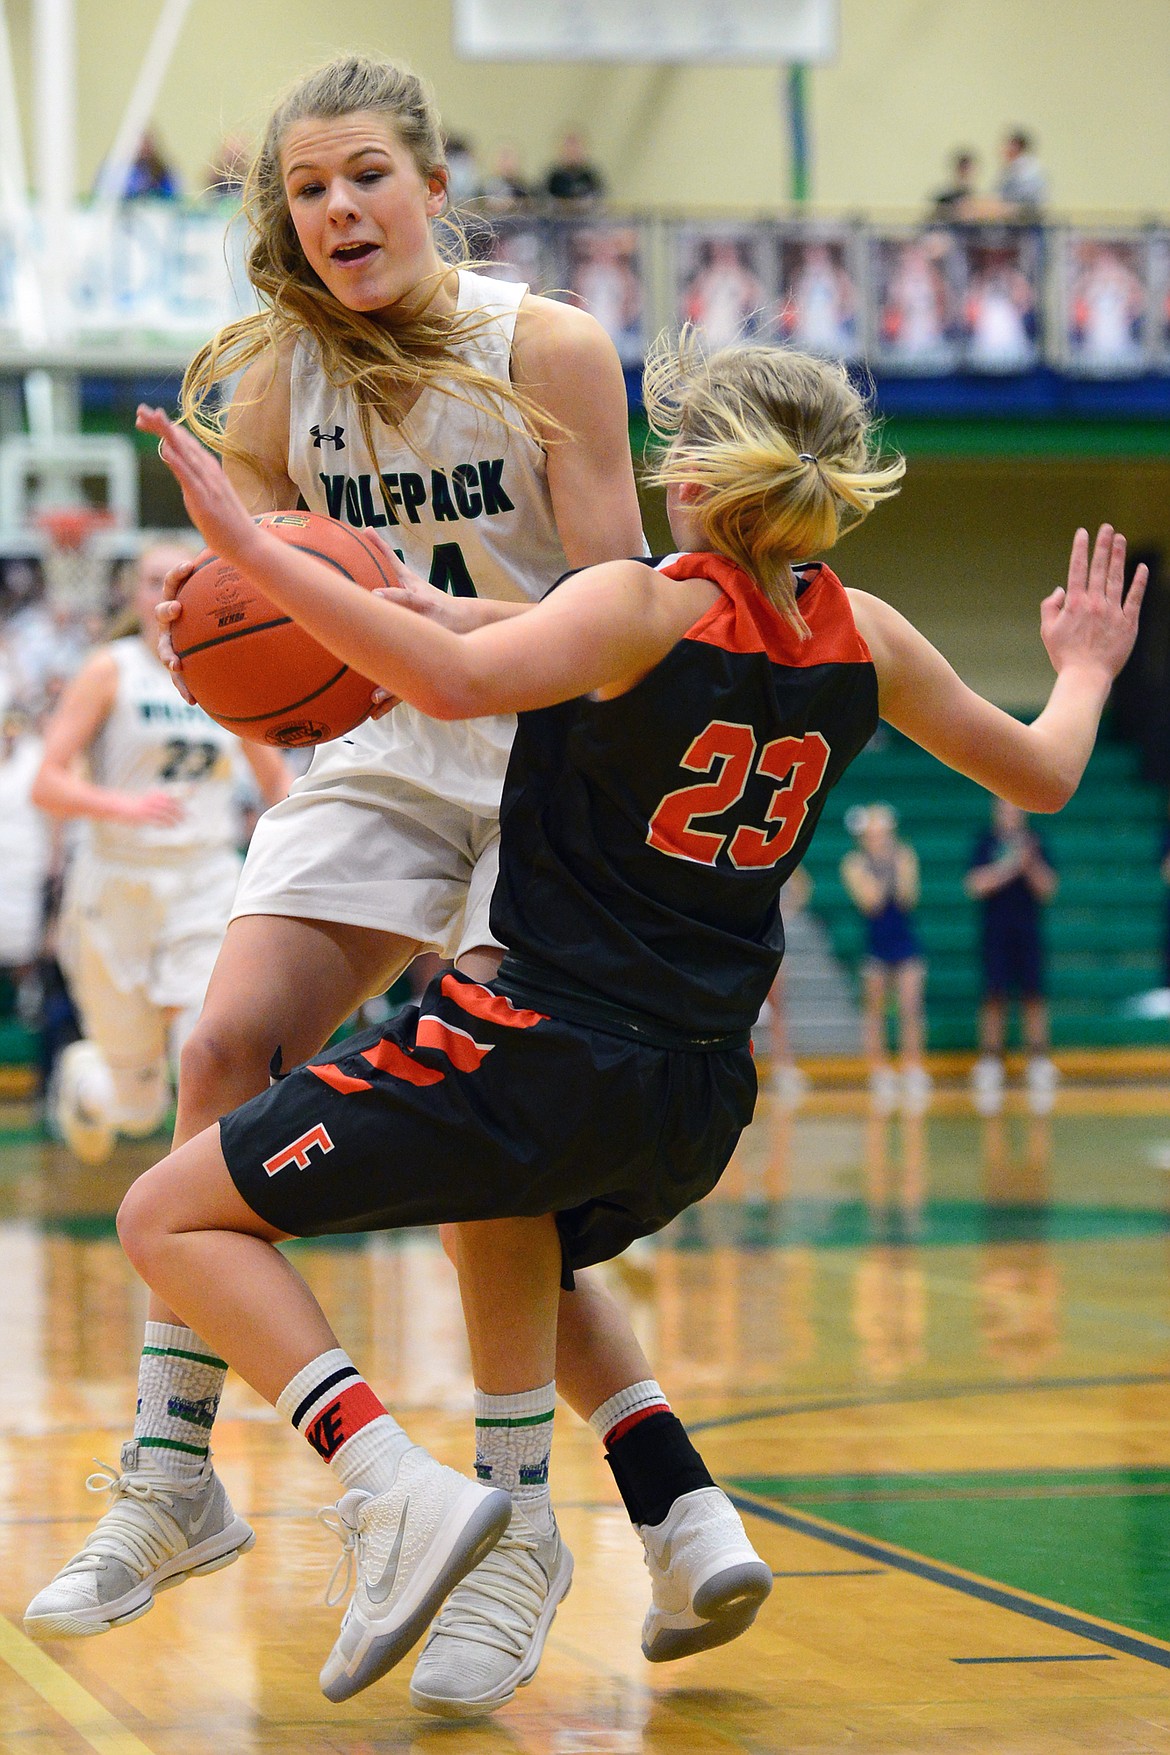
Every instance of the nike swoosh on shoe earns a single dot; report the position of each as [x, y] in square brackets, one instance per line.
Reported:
[378, 1590]
[197, 1523]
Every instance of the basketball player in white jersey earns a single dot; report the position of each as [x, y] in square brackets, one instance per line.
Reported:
[483, 433]
[151, 883]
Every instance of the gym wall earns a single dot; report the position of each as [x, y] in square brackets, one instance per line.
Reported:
[916, 78]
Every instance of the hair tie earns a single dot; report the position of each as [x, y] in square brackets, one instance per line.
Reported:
[807, 457]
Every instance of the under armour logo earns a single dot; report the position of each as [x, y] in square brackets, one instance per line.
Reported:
[334, 438]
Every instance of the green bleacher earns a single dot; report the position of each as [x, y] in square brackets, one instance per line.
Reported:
[1104, 929]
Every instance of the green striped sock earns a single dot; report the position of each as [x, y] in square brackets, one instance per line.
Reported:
[180, 1381]
[513, 1440]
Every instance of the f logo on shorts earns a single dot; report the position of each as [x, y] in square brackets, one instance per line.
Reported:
[298, 1152]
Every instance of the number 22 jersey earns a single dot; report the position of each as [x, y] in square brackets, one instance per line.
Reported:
[153, 740]
[644, 840]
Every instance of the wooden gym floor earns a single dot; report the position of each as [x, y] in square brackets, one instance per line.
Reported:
[930, 1357]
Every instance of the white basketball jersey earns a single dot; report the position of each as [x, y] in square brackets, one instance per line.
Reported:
[154, 740]
[465, 501]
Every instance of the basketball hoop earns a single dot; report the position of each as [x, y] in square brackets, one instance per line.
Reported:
[74, 572]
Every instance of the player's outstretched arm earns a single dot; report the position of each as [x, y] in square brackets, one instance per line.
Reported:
[1088, 626]
[602, 630]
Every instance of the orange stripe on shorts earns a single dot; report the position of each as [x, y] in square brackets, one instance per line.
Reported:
[333, 1075]
[491, 1006]
[389, 1058]
[464, 1053]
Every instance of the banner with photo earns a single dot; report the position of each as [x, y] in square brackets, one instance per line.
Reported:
[820, 303]
[724, 280]
[1105, 303]
[1158, 257]
[914, 280]
[603, 270]
[520, 248]
[1002, 326]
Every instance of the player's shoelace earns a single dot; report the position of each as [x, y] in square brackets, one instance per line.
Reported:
[132, 1527]
[512, 1580]
[348, 1562]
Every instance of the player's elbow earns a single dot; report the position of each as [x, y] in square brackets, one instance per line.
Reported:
[1044, 793]
[43, 793]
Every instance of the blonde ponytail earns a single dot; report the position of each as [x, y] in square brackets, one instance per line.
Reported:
[781, 442]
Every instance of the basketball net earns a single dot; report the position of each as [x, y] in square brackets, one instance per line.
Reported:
[74, 573]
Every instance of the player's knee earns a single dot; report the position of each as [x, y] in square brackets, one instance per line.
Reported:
[212, 1060]
[143, 1224]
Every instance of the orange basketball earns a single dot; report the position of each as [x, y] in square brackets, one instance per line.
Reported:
[250, 666]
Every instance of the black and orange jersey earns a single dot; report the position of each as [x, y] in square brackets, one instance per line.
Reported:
[644, 840]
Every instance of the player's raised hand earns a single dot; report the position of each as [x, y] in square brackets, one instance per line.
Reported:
[1086, 622]
[213, 505]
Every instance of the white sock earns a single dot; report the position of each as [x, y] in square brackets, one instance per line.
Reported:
[637, 1398]
[331, 1404]
[180, 1381]
[513, 1442]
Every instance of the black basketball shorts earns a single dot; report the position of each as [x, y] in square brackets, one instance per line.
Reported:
[470, 1107]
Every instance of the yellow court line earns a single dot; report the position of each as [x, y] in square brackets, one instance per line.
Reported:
[69, 1700]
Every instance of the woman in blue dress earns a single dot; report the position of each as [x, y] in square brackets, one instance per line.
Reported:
[881, 876]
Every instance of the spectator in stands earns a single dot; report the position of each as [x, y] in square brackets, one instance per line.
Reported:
[881, 877]
[1023, 183]
[1011, 874]
[223, 179]
[959, 200]
[572, 177]
[151, 175]
[506, 187]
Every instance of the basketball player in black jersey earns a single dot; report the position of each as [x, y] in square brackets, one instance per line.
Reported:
[680, 728]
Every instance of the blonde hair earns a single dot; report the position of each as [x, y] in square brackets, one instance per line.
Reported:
[381, 359]
[783, 444]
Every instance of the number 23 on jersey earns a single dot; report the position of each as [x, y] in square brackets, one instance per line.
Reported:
[798, 762]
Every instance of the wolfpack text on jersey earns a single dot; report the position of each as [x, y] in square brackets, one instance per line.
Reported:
[464, 501]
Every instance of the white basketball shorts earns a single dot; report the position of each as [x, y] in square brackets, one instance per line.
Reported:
[137, 940]
[376, 851]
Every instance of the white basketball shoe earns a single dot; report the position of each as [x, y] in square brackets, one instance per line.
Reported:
[82, 1096]
[158, 1532]
[707, 1581]
[409, 1547]
[490, 1635]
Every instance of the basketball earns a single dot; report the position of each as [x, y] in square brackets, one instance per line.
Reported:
[249, 666]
